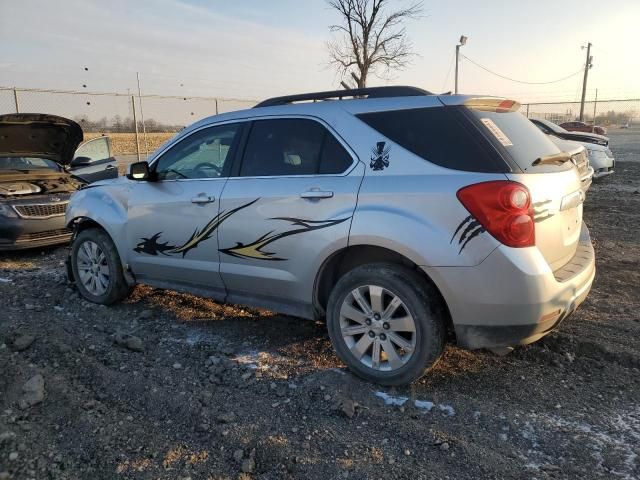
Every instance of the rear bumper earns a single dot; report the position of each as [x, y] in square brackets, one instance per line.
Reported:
[21, 233]
[513, 297]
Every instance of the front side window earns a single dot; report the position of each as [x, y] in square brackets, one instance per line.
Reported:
[292, 146]
[204, 154]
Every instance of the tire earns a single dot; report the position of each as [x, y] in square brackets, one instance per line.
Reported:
[110, 287]
[419, 303]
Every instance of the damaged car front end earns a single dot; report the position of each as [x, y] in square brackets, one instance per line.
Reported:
[35, 185]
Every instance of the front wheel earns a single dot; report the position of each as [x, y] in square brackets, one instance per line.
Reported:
[385, 323]
[97, 269]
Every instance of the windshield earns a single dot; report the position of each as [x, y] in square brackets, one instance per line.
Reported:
[552, 126]
[515, 135]
[27, 163]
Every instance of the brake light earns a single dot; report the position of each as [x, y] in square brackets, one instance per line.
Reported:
[504, 209]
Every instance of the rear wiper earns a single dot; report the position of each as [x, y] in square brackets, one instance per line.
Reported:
[555, 159]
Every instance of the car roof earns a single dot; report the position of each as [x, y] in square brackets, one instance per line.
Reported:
[386, 98]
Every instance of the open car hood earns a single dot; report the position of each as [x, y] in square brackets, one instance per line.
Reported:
[39, 135]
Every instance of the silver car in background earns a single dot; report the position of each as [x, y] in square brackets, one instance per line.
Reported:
[401, 217]
[600, 156]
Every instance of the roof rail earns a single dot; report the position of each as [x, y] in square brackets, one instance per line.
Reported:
[371, 92]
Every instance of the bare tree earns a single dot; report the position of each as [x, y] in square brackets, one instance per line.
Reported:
[370, 39]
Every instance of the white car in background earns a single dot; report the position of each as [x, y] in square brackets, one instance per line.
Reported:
[579, 158]
[600, 155]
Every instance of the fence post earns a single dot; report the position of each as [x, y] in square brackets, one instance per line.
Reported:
[135, 122]
[527, 110]
[15, 99]
[216, 105]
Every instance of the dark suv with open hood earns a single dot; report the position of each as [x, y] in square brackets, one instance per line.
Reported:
[41, 165]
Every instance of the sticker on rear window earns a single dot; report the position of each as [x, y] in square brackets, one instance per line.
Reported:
[495, 130]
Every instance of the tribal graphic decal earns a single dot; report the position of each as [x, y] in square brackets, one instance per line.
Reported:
[472, 230]
[151, 246]
[254, 250]
[380, 158]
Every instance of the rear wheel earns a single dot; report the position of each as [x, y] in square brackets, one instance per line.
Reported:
[97, 268]
[385, 323]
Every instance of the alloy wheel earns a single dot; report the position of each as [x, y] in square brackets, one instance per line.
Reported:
[378, 328]
[93, 268]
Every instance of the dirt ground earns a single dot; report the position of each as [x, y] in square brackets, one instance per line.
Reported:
[171, 386]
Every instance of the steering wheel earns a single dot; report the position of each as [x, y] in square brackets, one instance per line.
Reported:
[203, 165]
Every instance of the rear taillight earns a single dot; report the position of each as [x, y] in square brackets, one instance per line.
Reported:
[504, 210]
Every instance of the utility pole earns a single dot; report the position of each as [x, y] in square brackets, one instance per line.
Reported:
[463, 41]
[595, 104]
[587, 66]
[144, 128]
[135, 122]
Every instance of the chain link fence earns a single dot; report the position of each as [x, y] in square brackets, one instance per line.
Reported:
[608, 113]
[157, 118]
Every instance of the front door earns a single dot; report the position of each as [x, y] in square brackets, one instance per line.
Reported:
[93, 160]
[293, 201]
[173, 220]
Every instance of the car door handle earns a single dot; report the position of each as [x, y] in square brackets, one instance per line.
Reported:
[316, 194]
[202, 199]
[109, 167]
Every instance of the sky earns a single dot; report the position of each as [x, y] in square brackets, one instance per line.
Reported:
[254, 49]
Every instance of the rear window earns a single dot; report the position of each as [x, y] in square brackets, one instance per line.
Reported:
[444, 136]
[520, 139]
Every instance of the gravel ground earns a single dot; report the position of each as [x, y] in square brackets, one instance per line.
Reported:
[172, 386]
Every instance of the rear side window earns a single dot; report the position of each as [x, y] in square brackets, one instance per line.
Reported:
[444, 136]
[292, 146]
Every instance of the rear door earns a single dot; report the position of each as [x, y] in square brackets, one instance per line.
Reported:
[94, 161]
[293, 198]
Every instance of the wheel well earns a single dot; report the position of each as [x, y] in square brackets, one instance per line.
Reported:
[349, 258]
[83, 223]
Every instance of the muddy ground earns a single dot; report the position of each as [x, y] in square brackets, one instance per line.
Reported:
[171, 386]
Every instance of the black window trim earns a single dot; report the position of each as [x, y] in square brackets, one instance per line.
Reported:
[236, 146]
[481, 137]
[238, 158]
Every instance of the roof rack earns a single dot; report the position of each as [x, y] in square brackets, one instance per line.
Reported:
[371, 92]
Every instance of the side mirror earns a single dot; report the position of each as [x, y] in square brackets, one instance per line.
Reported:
[80, 162]
[139, 171]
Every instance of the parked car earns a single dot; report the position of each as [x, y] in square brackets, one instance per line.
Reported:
[40, 166]
[549, 127]
[579, 158]
[600, 155]
[399, 216]
[583, 127]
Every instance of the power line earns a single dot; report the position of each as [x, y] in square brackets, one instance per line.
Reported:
[446, 79]
[522, 81]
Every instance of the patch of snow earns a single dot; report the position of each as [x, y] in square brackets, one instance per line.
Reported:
[424, 404]
[5, 280]
[399, 400]
[611, 440]
[391, 399]
[259, 360]
[447, 409]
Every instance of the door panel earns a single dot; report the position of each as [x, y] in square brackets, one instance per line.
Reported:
[172, 231]
[273, 247]
[173, 221]
[93, 160]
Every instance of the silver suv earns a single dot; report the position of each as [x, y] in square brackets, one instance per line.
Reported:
[400, 216]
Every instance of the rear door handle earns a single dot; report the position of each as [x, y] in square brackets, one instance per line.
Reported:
[202, 199]
[109, 167]
[316, 194]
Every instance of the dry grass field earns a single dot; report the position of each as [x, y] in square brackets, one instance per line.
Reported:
[125, 143]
